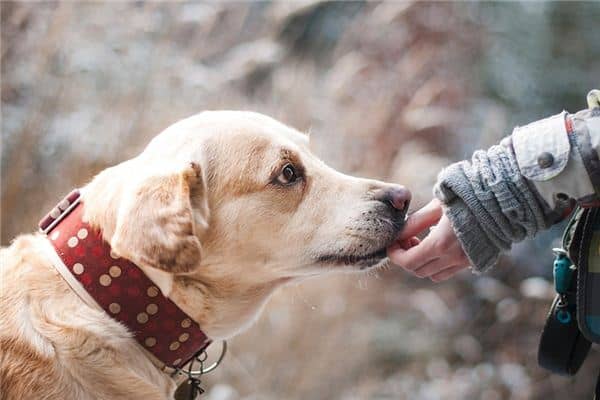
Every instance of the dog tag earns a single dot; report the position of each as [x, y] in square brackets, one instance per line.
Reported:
[186, 391]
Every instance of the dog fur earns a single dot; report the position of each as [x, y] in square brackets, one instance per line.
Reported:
[206, 211]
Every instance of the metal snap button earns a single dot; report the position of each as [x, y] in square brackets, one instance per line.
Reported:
[562, 196]
[545, 160]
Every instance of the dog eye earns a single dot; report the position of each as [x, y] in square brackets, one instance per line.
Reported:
[288, 175]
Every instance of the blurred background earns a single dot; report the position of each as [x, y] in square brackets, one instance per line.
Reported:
[388, 90]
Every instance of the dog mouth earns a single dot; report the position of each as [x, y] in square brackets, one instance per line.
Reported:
[360, 260]
[372, 258]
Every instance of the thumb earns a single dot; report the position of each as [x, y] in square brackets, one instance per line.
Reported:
[422, 219]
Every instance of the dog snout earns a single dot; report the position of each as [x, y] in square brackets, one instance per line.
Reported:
[396, 196]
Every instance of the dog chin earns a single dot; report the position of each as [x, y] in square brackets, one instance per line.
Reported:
[361, 261]
[372, 264]
[379, 264]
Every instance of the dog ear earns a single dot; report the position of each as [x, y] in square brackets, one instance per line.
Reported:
[156, 223]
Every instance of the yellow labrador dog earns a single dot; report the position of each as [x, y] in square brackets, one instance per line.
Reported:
[219, 211]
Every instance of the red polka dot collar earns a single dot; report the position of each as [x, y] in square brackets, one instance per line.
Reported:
[121, 288]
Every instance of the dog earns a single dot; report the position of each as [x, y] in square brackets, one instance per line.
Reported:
[219, 210]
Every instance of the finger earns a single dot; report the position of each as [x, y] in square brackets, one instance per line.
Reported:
[421, 219]
[411, 242]
[433, 267]
[447, 273]
[414, 257]
[405, 244]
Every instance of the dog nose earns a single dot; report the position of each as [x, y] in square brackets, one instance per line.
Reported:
[397, 196]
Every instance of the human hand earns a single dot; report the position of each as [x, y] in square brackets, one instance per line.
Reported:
[439, 255]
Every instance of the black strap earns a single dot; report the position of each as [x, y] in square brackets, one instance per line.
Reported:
[597, 387]
[562, 347]
[588, 297]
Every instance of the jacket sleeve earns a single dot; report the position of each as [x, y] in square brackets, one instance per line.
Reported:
[523, 185]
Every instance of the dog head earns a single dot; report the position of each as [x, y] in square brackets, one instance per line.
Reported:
[223, 207]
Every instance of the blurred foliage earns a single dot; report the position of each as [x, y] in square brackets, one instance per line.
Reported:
[390, 90]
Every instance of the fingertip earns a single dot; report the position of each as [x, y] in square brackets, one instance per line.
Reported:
[422, 219]
[395, 254]
[408, 243]
[397, 257]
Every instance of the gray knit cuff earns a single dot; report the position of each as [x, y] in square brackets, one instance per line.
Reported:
[482, 253]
